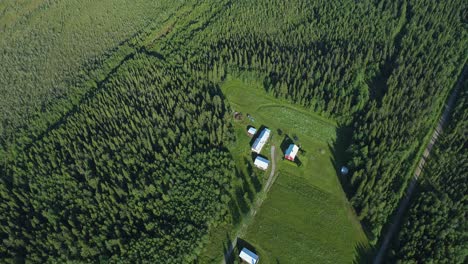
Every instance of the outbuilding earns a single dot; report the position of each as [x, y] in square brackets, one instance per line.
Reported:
[251, 131]
[248, 256]
[291, 152]
[261, 163]
[261, 140]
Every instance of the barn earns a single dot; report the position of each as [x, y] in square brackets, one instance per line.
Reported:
[261, 140]
[248, 256]
[291, 152]
[261, 163]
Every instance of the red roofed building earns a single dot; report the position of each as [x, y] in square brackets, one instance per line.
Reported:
[291, 152]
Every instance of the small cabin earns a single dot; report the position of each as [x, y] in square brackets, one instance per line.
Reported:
[261, 163]
[251, 131]
[248, 256]
[291, 152]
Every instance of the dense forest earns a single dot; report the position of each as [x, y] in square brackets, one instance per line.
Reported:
[435, 228]
[114, 146]
[47, 47]
[390, 133]
[311, 56]
[138, 168]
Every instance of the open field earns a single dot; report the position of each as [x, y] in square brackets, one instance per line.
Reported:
[305, 217]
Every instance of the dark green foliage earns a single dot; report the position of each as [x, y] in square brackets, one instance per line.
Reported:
[315, 54]
[44, 45]
[435, 229]
[134, 166]
[389, 133]
[137, 172]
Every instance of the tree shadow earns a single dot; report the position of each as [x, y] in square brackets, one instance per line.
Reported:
[253, 176]
[235, 210]
[363, 254]
[241, 243]
[241, 198]
[340, 156]
[229, 249]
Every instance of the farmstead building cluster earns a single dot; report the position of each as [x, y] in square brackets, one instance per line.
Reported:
[257, 146]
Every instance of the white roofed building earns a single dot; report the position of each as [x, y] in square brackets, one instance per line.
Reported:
[251, 131]
[261, 140]
[248, 256]
[261, 163]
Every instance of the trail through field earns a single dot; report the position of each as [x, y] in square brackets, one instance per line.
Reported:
[257, 205]
[411, 187]
[272, 172]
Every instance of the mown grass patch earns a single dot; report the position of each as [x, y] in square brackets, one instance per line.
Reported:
[299, 223]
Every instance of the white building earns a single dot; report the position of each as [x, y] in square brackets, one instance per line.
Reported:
[261, 140]
[251, 131]
[248, 256]
[261, 163]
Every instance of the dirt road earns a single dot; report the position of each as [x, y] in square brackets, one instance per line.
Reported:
[409, 192]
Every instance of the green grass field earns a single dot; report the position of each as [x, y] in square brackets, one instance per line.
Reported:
[305, 217]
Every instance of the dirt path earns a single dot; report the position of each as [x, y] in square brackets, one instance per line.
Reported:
[253, 211]
[272, 172]
[409, 192]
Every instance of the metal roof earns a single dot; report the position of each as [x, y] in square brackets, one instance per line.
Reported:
[261, 162]
[252, 130]
[261, 140]
[292, 151]
[248, 256]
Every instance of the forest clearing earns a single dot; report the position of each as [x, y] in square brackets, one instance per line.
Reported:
[305, 216]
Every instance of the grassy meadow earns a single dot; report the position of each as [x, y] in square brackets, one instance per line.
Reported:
[305, 217]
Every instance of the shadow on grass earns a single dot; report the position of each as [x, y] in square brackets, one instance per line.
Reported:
[235, 249]
[244, 193]
[340, 157]
[297, 161]
[363, 254]
[227, 247]
[285, 143]
[241, 243]
[253, 176]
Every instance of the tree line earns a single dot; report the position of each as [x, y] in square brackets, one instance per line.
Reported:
[434, 229]
[389, 134]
